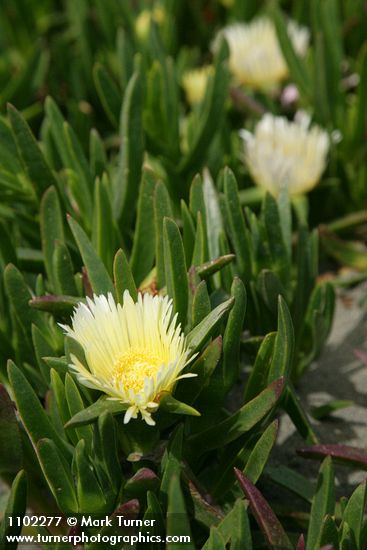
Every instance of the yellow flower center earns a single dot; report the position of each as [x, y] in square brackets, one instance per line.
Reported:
[132, 367]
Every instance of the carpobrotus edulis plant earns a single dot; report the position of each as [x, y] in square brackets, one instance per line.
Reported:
[134, 352]
[255, 58]
[281, 153]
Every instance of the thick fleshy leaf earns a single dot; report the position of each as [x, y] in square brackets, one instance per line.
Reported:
[329, 533]
[11, 460]
[323, 503]
[52, 229]
[238, 423]
[108, 454]
[177, 517]
[144, 480]
[200, 303]
[354, 512]
[33, 159]
[207, 326]
[97, 273]
[215, 541]
[93, 412]
[123, 277]
[91, 497]
[104, 237]
[171, 405]
[259, 372]
[296, 412]
[235, 527]
[15, 507]
[58, 476]
[19, 296]
[131, 152]
[63, 271]
[260, 453]
[282, 359]
[188, 391]
[108, 92]
[162, 209]
[269, 524]
[238, 232]
[142, 254]
[175, 269]
[76, 405]
[291, 480]
[232, 335]
[213, 266]
[33, 415]
[59, 305]
[350, 456]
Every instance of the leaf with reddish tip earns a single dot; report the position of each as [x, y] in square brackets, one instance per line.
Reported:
[350, 456]
[129, 509]
[361, 355]
[211, 267]
[269, 524]
[301, 543]
[62, 305]
[144, 480]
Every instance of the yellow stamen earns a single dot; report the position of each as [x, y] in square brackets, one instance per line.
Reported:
[133, 366]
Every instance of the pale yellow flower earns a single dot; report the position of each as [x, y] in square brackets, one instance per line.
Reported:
[255, 58]
[134, 352]
[281, 153]
[195, 82]
[144, 19]
[227, 3]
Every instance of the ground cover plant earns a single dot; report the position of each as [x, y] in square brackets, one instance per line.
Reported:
[175, 180]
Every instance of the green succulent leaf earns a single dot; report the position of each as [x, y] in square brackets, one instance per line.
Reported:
[171, 405]
[175, 269]
[199, 334]
[269, 524]
[323, 503]
[32, 414]
[177, 517]
[10, 439]
[108, 92]
[93, 412]
[260, 453]
[15, 507]
[52, 229]
[123, 277]
[32, 157]
[240, 422]
[58, 476]
[131, 152]
[99, 278]
[90, 496]
[142, 254]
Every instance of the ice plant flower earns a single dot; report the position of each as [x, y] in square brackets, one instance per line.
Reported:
[134, 352]
[144, 20]
[281, 153]
[195, 82]
[255, 56]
